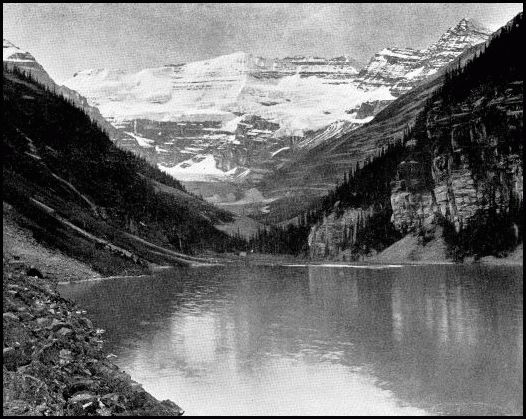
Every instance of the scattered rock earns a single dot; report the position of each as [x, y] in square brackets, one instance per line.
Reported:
[53, 361]
[43, 321]
[80, 384]
[83, 403]
[85, 322]
[56, 325]
[20, 408]
[172, 406]
[82, 397]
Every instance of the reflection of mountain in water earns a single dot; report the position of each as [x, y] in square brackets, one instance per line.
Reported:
[441, 338]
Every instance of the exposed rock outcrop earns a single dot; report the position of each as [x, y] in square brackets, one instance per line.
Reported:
[336, 232]
[401, 68]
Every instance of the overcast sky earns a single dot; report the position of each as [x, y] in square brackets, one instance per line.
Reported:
[66, 38]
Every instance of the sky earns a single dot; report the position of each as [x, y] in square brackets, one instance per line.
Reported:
[66, 38]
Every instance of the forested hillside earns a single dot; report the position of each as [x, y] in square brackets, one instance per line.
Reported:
[82, 194]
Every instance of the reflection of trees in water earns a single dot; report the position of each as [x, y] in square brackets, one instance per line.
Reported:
[355, 306]
[452, 330]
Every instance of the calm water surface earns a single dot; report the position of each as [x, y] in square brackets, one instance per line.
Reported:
[411, 340]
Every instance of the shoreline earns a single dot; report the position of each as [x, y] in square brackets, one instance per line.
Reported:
[53, 356]
[328, 264]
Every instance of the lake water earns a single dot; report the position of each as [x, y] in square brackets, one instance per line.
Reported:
[411, 340]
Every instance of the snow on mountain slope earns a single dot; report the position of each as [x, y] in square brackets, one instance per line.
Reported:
[296, 93]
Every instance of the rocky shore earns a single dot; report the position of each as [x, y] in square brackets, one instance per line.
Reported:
[53, 361]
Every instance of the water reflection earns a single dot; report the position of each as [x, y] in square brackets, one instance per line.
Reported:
[318, 340]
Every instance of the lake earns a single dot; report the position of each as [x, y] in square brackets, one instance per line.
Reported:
[314, 340]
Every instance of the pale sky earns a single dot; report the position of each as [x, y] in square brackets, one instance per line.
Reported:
[66, 38]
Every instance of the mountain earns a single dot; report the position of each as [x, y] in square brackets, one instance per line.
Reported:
[14, 56]
[220, 88]
[79, 193]
[237, 118]
[224, 118]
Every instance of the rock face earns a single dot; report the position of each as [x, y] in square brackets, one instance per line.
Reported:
[238, 117]
[471, 170]
[24, 61]
[330, 237]
[14, 56]
[466, 169]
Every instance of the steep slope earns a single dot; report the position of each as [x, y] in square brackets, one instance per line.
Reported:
[458, 176]
[83, 195]
[238, 118]
[24, 61]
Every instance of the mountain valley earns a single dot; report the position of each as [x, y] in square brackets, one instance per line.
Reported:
[237, 119]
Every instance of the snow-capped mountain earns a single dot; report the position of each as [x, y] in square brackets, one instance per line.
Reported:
[238, 117]
[226, 117]
[23, 60]
[298, 93]
[401, 68]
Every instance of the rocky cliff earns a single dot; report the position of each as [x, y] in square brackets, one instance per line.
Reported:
[335, 233]
[474, 163]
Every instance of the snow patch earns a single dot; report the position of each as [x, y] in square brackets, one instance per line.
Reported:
[279, 151]
[202, 169]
